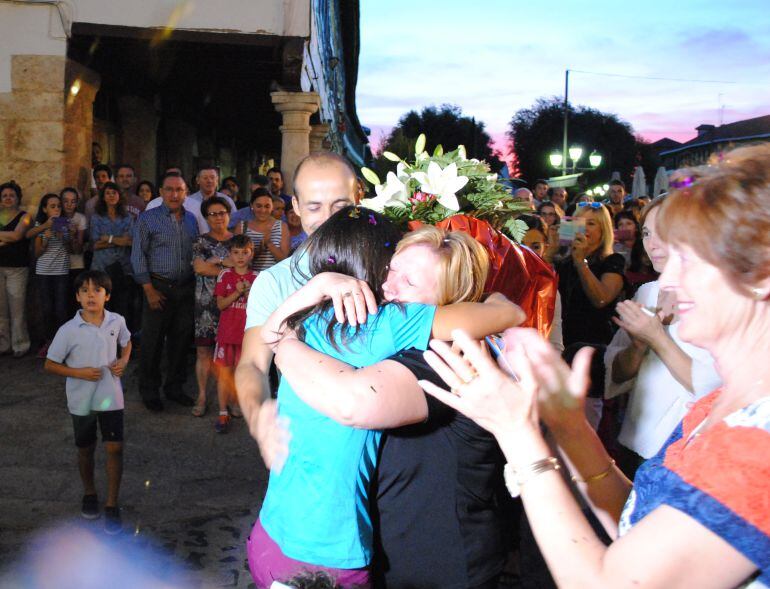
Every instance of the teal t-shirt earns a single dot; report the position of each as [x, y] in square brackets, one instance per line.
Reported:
[317, 509]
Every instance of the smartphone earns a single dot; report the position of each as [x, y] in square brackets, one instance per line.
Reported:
[61, 224]
[497, 344]
[569, 228]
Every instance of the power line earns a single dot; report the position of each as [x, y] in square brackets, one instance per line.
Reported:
[657, 78]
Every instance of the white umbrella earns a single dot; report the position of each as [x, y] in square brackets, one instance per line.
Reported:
[661, 182]
[639, 187]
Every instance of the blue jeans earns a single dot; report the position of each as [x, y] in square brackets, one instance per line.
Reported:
[54, 296]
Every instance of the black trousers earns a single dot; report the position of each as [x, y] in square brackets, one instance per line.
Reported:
[174, 326]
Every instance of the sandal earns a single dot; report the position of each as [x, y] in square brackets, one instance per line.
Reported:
[199, 410]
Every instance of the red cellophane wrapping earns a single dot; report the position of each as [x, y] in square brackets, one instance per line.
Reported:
[514, 271]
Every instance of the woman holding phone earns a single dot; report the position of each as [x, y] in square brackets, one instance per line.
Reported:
[52, 250]
[591, 279]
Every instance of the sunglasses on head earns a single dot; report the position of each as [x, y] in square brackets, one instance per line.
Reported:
[593, 205]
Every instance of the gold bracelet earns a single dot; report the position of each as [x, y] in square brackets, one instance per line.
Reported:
[597, 477]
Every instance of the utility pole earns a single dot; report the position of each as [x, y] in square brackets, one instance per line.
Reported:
[566, 110]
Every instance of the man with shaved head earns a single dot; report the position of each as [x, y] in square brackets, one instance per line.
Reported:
[525, 195]
[324, 183]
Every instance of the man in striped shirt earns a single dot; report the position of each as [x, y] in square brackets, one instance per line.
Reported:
[161, 256]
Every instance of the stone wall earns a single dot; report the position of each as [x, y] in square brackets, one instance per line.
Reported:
[32, 125]
[45, 139]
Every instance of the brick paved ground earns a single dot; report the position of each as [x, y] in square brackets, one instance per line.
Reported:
[191, 493]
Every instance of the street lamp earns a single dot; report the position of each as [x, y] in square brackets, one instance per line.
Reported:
[575, 153]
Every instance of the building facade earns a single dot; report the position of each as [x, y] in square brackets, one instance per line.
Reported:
[160, 83]
[713, 140]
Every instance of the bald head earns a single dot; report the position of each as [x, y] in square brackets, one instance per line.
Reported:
[324, 183]
[524, 195]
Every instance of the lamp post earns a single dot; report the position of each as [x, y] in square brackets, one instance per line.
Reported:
[566, 111]
[559, 160]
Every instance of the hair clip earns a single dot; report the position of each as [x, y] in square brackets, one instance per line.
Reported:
[372, 220]
[684, 182]
[331, 260]
[354, 213]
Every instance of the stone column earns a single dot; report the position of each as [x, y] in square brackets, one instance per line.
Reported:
[140, 135]
[181, 145]
[31, 126]
[80, 88]
[296, 108]
[318, 135]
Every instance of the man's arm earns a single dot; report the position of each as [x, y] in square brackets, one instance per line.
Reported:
[251, 381]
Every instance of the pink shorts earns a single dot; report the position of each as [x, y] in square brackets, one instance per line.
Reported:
[227, 355]
[267, 564]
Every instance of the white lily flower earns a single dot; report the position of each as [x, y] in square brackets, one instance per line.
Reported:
[390, 194]
[443, 183]
[401, 170]
[461, 152]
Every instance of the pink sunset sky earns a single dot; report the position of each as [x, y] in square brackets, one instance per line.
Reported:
[495, 57]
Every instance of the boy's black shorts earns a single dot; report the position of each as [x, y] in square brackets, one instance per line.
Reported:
[110, 422]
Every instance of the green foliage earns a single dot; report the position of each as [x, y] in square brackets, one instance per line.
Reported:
[444, 125]
[538, 131]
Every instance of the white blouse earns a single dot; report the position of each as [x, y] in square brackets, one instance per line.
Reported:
[658, 401]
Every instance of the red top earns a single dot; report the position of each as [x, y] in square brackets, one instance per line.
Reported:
[232, 320]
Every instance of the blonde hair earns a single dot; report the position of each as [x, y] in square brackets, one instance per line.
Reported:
[605, 222]
[463, 263]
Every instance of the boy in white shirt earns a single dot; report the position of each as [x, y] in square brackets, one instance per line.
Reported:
[85, 351]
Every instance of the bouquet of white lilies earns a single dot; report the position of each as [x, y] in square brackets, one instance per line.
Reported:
[435, 187]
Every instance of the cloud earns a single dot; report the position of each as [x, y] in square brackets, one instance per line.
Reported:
[495, 61]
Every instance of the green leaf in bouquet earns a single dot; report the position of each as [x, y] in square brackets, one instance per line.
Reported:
[517, 228]
[371, 176]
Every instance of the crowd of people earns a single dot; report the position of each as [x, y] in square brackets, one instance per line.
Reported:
[651, 372]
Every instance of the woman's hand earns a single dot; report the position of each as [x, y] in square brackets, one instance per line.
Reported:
[579, 248]
[561, 389]
[480, 390]
[552, 247]
[640, 325]
[353, 300]
[273, 436]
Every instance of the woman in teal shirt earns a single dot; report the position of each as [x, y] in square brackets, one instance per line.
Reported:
[316, 512]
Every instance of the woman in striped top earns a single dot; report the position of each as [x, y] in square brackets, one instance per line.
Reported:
[52, 250]
[274, 248]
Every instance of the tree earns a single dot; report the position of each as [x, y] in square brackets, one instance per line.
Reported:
[444, 125]
[537, 132]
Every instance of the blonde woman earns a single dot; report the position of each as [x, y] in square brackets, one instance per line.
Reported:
[591, 279]
[438, 471]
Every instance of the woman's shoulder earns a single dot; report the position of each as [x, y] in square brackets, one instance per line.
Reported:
[613, 263]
